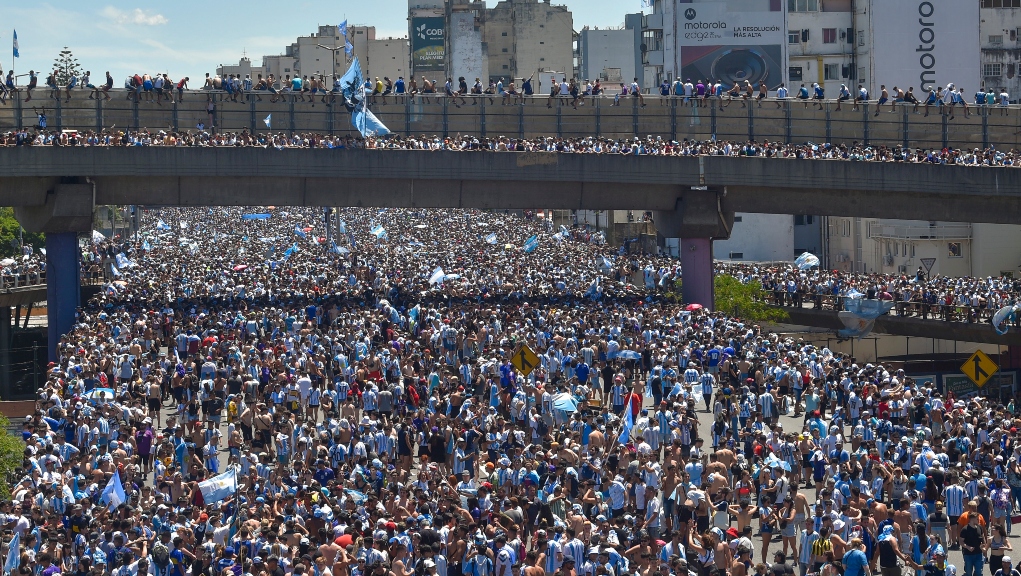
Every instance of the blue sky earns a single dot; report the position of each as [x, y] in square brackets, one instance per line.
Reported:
[189, 37]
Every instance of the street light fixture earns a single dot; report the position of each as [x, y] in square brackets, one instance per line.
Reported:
[333, 57]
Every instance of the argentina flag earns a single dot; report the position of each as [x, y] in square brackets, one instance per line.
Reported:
[219, 487]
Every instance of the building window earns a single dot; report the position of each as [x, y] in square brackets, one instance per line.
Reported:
[504, 50]
[996, 39]
[795, 73]
[829, 35]
[845, 228]
[794, 37]
[809, 219]
[992, 69]
[1001, 3]
[287, 69]
[738, 219]
[542, 59]
[896, 249]
[505, 66]
[799, 220]
[503, 34]
[736, 255]
[831, 72]
[802, 5]
[540, 42]
[954, 250]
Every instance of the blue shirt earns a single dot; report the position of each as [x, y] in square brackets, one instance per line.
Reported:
[854, 563]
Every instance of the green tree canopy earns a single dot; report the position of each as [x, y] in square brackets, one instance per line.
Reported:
[12, 453]
[9, 229]
[746, 301]
[66, 65]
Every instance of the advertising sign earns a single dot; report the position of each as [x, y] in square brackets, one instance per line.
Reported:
[1001, 385]
[923, 43]
[733, 44]
[427, 48]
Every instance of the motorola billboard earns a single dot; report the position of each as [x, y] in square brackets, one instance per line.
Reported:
[428, 52]
[733, 41]
[923, 43]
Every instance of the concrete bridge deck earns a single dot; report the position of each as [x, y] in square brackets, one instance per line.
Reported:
[31, 177]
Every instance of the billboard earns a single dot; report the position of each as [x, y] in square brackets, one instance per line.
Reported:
[923, 43]
[427, 44]
[733, 41]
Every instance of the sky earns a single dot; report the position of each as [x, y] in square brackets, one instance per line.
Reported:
[192, 37]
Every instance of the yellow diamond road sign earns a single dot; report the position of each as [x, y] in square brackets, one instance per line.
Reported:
[980, 368]
[525, 360]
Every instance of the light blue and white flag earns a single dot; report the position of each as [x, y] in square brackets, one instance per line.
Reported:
[531, 244]
[806, 260]
[348, 48]
[604, 265]
[437, 276]
[161, 225]
[13, 554]
[290, 251]
[146, 246]
[113, 495]
[299, 232]
[342, 29]
[351, 81]
[122, 261]
[17, 54]
[378, 231]
[366, 122]
[342, 228]
[219, 487]
[1005, 315]
[268, 120]
[491, 239]
[629, 423]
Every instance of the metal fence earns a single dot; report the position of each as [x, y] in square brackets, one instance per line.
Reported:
[908, 309]
[669, 118]
[23, 280]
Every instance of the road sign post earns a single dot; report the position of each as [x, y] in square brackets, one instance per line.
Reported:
[525, 360]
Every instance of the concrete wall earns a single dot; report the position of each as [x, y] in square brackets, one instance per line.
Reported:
[600, 49]
[466, 55]
[525, 36]
[1003, 22]
[758, 238]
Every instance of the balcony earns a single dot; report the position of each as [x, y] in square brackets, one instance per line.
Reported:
[938, 232]
[653, 58]
[653, 22]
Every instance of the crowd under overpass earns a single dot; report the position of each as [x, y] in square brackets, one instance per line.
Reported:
[54, 190]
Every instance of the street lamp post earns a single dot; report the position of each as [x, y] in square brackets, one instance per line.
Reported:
[333, 57]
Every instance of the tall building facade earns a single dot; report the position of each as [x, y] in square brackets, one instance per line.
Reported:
[530, 38]
[607, 54]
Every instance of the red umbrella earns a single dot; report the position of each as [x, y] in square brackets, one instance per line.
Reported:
[693, 307]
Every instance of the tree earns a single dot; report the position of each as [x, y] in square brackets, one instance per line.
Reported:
[9, 233]
[12, 453]
[65, 66]
[745, 301]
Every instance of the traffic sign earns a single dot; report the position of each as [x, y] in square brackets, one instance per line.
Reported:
[525, 360]
[979, 368]
[928, 262]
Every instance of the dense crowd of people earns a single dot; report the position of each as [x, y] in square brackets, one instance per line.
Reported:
[648, 146]
[361, 376]
[920, 294]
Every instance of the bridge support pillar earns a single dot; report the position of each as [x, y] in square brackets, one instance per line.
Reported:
[700, 215]
[63, 286]
[697, 271]
[5, 351]
[67, 211]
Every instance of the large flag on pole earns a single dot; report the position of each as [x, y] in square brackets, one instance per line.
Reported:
[342, 29]
[366, 122]
[13, 554]
[113, 495]
[219, 487]
[352, 80]
[16, 53]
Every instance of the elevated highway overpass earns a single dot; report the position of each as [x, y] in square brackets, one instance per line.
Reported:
[54, 190]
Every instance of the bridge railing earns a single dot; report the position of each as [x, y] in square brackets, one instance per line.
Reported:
[668, 118]
[22, 280]
[908, 309]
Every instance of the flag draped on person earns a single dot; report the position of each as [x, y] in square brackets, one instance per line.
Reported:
[14, 554]
[629, 423]
[113, 495]
[219, 487]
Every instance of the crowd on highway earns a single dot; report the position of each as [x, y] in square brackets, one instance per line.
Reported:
[648, 146]
[286, 391]
[919, 294]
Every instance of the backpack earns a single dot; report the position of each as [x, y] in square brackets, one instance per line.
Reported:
[160, 555]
